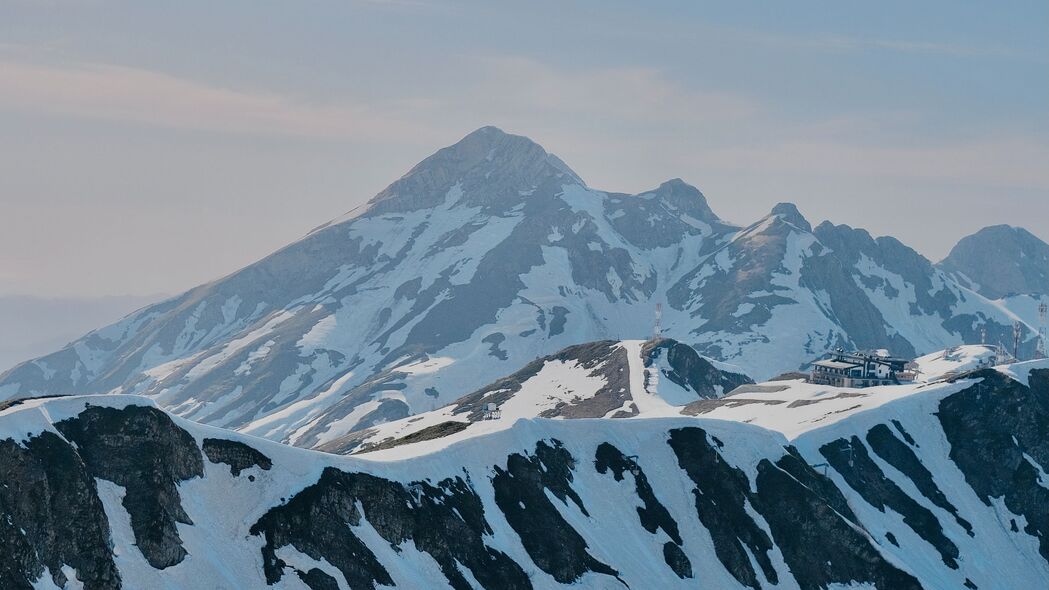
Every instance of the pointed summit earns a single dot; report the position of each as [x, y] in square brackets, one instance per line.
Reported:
[789, 213]
[490, 167]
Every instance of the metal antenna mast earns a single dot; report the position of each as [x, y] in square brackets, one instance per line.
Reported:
[657, 331]
[1042, 309]
[1017, 332]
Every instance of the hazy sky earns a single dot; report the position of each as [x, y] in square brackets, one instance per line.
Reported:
[149, 146]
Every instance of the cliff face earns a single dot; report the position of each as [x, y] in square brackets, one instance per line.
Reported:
[941, 486]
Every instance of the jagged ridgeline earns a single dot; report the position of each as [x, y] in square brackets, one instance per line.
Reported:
[492, 253]
[935, 486]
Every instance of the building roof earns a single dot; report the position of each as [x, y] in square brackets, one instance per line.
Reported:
[837, 364]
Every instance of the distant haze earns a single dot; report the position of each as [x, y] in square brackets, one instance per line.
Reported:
[33, 326]
[148, 147]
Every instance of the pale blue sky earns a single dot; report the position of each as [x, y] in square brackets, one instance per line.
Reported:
[147, 147]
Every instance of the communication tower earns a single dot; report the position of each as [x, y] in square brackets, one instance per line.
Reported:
[1017, 333]
[657, 331]
[1042, 309]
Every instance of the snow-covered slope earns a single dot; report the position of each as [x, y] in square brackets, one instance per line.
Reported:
[485, 256]
[937, 486]
[955, 360]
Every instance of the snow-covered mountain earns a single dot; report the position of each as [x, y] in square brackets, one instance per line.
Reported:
[1000, 261]
[939, 485]
[485, 256]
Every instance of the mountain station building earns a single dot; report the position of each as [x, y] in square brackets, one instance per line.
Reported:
[857, 369]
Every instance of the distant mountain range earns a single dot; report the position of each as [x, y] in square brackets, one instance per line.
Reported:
[492, 253]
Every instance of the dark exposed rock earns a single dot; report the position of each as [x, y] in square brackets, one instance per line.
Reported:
[702, 406]
[142, 450]
[677, 560]
[447, 521]
[521, 494]
[850, 459]
[50, 516]
[605, 359]
[613, 367]
[791, 376]
[429, 433]
[315, 522]
[494, 340]
[996, 427]
[654, 516]
[318, 580]
[690, 370]
[237, 455]
[901, 457]
[722, 492]
[809, 520]
[903, 432]
[10, 403]
[804, 474]
[557, 323]
[808, 517]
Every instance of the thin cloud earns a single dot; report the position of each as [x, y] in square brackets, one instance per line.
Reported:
[990, 162]
[125, 94]
[632, 93]
[503, 90]
[840, 43]
[591, 115]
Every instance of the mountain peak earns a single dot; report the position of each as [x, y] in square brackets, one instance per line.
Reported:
[687, 198]
[789, 212]
[489, 138]
[489, 165]
[491, 147]
[1000, 260]
[675, 183]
